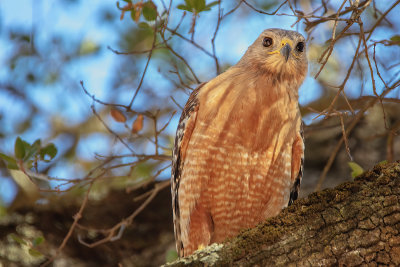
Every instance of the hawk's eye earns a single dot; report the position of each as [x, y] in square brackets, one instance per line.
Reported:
[267, 41]
[300, 46]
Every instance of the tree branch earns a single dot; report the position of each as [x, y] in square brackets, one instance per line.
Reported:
[357, 223]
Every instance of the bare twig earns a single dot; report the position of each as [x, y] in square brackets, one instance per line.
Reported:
[352, 125]
[116, 231]
[145, 68]
[214, 36]
[263, 12]
[378, 22]
[111, 131]
[77, 217]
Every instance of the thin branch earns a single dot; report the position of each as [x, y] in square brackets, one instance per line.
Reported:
[215, 36]
[173, 32]
[116, 231]
[378, 22]
[77, 217]
[232, 10]
[346, 142]
[263, 12]
[362, 35]
[183, 60]
[111, 131]
[93, 97]
[145, 68]
[355, 121]
[342, 86]
[133, 52]
[327, 53]
[333, 16]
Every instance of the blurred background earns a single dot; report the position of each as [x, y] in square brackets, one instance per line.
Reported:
[91, 93]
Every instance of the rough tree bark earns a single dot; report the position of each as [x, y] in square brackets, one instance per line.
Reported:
[356, 223]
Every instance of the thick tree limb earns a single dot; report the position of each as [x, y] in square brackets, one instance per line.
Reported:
[357, 223]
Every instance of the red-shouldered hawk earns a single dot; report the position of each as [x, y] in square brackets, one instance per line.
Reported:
[238, 152]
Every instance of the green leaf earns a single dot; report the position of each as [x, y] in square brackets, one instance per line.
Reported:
[144, 25]
[3, 210]
[37, 143]
[29, 164]
[171, 255]
[199, 5]
[27, 147]
[88, 47]
[210, 5]
[35, 253]
[19, 148]
[18, 239]
[12, 166]
[37, 241]
[184, 7]
[49, 150]
[189, 5]
[149, 11]
[32, 149]
[267, 5]
[26, 38]
[51, 78]
[8, 159]
[196, 6]
[356, 169]
[395, 39]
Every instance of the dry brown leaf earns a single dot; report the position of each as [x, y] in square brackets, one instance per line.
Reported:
[117, 115]
[137, 125]
[124, 9]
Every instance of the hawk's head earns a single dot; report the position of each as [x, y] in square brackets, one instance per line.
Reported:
[279, 52]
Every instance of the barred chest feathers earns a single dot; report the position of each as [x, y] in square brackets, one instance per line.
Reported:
[243, 146]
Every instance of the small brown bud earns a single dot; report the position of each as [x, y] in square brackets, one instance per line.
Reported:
[117, 115]
[137, 125]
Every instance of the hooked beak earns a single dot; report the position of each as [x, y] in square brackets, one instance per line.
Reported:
[285, 51]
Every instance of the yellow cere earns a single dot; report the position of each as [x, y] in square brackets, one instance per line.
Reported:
[287, 41]
[283, 43]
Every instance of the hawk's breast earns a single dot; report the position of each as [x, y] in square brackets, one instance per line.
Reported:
[242, 146]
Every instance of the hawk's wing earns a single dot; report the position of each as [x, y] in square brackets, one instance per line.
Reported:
[297, 164]
[183, 134]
